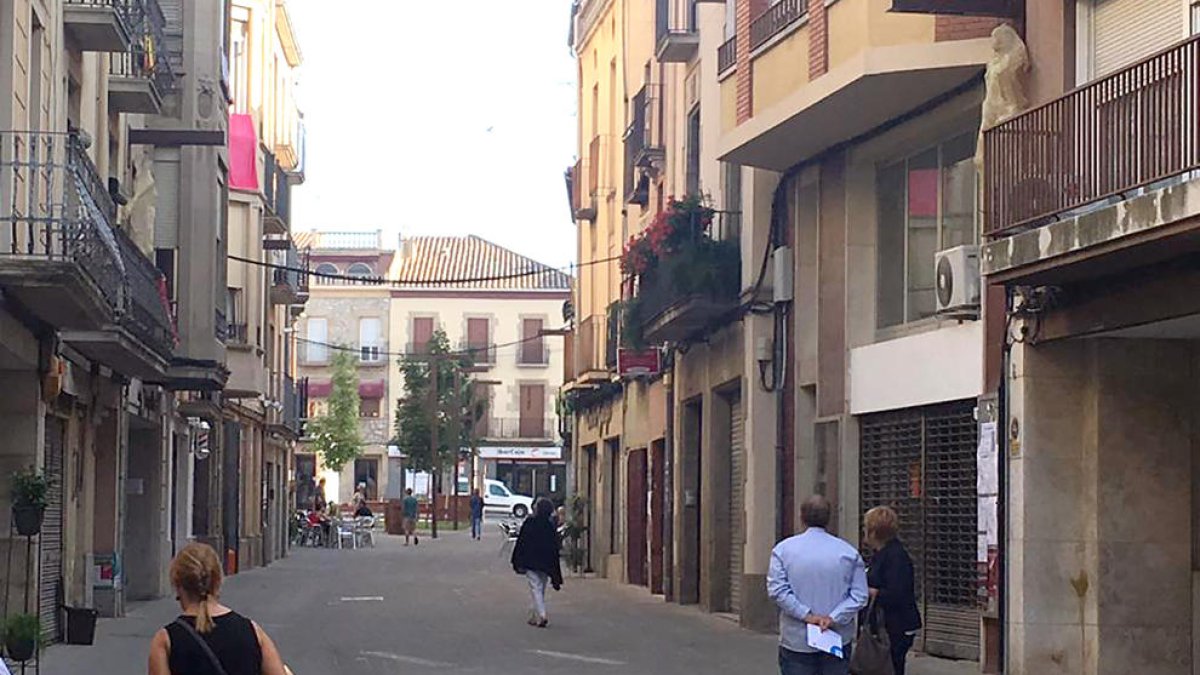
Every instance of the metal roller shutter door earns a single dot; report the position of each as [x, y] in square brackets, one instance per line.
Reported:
[1126, 31]
[921, 462]
[50, 544]
[737, 519]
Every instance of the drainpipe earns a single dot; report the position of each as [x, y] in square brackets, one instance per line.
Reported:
[669, 481]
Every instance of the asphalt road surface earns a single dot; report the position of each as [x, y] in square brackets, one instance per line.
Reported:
[447, 606]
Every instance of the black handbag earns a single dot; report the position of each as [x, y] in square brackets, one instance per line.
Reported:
[873, 649]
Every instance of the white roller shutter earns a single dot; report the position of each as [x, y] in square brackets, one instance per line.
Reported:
[1126, 31]
[737, 538]
[50, 544]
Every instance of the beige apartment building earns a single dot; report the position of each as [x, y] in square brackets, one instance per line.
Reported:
[112, 344]
[267, 283]
[343, 314]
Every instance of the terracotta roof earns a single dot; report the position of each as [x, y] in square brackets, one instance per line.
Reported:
[430, 261]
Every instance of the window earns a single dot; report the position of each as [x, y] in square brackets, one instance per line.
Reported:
[369, 407]
[369, 330]
[239, 72]
[1195, 18]
[533, 345]
[497, 491]
[693, 152]
[327, 268]
[422, 333]
[360, 270]
[366, 472]
[478, 339]
[316, 342]
[730, 222]
[926, 204]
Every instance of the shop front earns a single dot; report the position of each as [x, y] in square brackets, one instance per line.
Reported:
[535, 471]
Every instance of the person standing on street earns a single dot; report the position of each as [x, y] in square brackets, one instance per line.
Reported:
[890, 580]
[536, 555]
[411, 510]
[815, 578]
[209, 638]
[476, 515]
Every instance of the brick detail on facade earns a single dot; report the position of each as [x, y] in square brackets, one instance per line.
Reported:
[947, 28]
[818, 39]
[747, 11]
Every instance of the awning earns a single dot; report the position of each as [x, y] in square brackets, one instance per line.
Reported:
[366, 389]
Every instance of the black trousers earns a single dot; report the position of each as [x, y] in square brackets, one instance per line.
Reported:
[901, 643]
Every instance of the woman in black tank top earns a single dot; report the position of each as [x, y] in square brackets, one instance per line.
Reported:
[209, 638]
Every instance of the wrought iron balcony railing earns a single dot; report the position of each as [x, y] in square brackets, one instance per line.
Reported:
[147, 57]
[145, 310]
[515, 428]
[1125, 131]
[290, 282]
[776, 19]
[481, 354]
[56, 208]
[293, 405]
[277, 192]
[727, 55]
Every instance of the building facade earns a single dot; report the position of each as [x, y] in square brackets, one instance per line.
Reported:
[112, 163]
[267, 279]
[1091, 341]
[344, 314]
[823, 195]
[500, 313]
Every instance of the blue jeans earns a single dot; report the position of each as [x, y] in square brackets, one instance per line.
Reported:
[476, 526]
[815, 663]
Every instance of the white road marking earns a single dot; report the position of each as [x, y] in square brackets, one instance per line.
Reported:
[411, 660]
[577, 657]
[364, 598]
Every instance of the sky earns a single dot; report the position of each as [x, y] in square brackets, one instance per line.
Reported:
[438, 117]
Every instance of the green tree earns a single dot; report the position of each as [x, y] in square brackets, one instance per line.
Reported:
[458, 406]
[335, 434]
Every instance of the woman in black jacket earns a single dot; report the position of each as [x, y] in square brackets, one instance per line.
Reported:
[536, 556]
[890, 579]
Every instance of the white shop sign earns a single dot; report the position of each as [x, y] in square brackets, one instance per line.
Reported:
[521, 453]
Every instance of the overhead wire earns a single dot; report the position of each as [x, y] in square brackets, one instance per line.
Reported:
[458, 352]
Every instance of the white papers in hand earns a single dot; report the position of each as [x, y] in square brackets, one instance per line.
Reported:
[827, 641]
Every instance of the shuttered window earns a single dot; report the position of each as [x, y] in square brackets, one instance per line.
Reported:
[318, 335]
[369, 339]
[1126, 31]
[422, 333]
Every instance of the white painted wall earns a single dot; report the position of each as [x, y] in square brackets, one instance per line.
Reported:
[940, 365]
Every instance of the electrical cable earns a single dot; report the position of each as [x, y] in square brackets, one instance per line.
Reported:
[382, 281]
[459, 352]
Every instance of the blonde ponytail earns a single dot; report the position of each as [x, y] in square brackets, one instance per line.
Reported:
[196, 573]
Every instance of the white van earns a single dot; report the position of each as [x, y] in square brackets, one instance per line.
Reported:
[497, 497]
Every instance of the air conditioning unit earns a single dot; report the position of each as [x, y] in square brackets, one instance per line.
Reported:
[957, 274]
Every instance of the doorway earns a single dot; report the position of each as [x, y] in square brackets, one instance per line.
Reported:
[636, 517]
[657, 513]
[690, 471]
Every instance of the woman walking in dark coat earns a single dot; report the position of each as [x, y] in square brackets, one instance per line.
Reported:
[536, 556]
[890, 579]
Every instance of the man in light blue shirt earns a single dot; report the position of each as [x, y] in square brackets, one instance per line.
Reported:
[815, 578]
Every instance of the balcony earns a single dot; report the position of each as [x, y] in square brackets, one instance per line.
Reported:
[1097, 144]
[277, 195]
[727, 56]
[583, 196]
[534, 353]
[289, 282]
[644, 152]
[59, 257]
[675, 30]
[220, 326]
[141, 339]
[687, 282]
[776, 19]
[515, 428]
[139, 77]
[97, 25]
[289, 419]
[482, 355]
[590, 351]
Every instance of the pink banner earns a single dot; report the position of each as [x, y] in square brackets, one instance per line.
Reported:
[243, 144]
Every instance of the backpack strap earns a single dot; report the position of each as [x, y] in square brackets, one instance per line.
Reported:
[212, 657]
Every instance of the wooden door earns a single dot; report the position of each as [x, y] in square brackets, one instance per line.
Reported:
[533, 411]
[657, 514]
[636, 517]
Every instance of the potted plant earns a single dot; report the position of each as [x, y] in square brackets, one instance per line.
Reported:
[21, 633]
[29, 489]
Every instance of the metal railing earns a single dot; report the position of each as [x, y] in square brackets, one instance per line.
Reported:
[534, 353]
[1127, 130]
[727, 55]
[612, 335]
[481, 354]
[295, 273]
[277, 190]
[145, 310]
[591, 341]
[147, 57]
[674, 17]
[293, 405]
[220, 325]
[515, 427]
[238, 334]
[56, 207]
[659, 289]
[581, 195]
[775, 20]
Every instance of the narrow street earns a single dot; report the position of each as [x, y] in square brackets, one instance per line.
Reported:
[448, 606]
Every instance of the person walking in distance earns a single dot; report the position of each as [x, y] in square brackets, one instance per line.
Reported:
[815, 579]
[891, 583]
[411, 511]
[209, 638]
[476, 515]
[536, 555]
